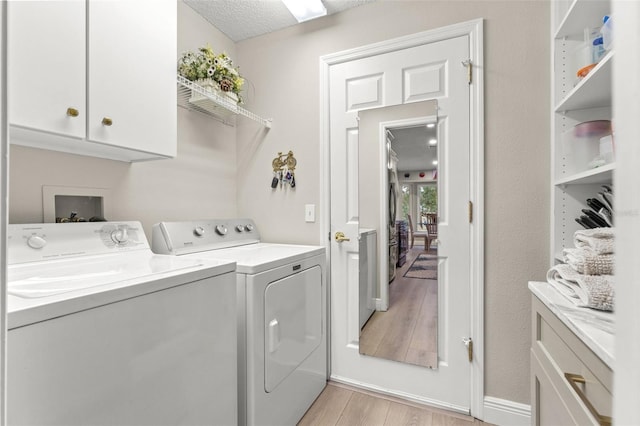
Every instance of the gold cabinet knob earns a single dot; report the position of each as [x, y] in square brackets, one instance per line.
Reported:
[106, 121]
[340, 237]
[72, 112]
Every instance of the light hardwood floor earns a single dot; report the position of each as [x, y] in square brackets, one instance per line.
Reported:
[408, 331]
[340, 404]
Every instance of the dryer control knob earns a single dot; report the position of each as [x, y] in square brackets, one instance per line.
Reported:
[221, 229]
[120, 236]
[36, 242]
[199, 231]
[249, 227]
[240, 228]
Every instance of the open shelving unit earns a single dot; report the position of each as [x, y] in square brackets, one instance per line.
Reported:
[194, 97]
[575, 101]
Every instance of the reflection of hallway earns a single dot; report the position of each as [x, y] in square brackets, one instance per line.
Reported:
[408, 331]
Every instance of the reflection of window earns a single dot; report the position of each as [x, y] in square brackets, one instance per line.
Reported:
[427, 201]
[406, 201]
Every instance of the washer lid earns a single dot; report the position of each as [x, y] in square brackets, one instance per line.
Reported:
[42, 290]
[260, 257]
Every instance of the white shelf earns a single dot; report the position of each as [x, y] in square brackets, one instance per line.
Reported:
[593, 91]
[194, 97]
[582, 14]
[590, 99]
[603, 174]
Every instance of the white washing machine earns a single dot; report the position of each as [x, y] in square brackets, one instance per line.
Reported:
[282, 327]
[104, 332]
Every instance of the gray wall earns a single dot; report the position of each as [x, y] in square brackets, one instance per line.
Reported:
[198, 183]
[284, 68]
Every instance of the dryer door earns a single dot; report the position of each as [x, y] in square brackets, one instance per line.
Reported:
[293, 323]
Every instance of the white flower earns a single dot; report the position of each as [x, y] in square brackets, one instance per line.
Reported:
[210, 72]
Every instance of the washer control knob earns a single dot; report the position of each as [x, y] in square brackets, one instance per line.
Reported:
[36, 242]
[239, 228]
[221, 229]
[120, 236]
[199, 231]
[249, 227]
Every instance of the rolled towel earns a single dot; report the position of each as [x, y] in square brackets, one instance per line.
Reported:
[591, 291]
[587, 262]
[600, 240]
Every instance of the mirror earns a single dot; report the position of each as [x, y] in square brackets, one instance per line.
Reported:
[398, 210]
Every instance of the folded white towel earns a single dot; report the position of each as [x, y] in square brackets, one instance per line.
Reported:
[588, 262]
[600, 240]
[593, 291]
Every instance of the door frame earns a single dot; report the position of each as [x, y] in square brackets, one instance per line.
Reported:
[474, 30]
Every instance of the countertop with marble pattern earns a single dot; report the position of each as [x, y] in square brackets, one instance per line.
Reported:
[595, 328]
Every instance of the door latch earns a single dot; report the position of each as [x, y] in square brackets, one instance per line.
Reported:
[468, 342]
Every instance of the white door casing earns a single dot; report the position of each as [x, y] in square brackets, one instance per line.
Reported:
[390, 73]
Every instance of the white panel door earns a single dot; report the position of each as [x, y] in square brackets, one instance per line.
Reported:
[47, 66]
[428, 71]
[132, 74]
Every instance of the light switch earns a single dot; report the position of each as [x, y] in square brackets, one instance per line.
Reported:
[309, 212]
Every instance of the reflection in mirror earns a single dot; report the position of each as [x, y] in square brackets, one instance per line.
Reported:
[398, 209]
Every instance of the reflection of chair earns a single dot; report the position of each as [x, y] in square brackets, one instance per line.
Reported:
[428, 218]
[429, 235]
[432, 234]
[418, 234]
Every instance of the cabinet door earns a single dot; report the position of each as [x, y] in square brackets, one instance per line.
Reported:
[47, 66]
[132, 74]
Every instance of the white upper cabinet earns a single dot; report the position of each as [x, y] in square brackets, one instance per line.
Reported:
[112, 62]
[47, 66]
[132, 68]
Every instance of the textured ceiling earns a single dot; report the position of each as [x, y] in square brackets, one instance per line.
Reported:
[412, 147]
[242, 19]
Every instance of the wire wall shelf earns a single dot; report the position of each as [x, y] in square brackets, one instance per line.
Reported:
[194, 97]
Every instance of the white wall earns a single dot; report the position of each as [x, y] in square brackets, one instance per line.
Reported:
[626, 109]
[199, 183]
[284, 68]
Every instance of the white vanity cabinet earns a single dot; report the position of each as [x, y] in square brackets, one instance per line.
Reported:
[571, 384]
[94, 77]
[572, 348]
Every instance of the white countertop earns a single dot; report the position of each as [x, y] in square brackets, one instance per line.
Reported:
[595, 328]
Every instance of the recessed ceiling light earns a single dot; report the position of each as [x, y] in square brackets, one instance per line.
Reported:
[304, 10]
[433, 141]
[435, 162]
[431, 125]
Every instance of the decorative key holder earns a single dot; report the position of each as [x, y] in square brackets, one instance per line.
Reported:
[284, 166]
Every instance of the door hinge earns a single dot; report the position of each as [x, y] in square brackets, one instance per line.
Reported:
[469, 66]
[470, 211]
[468, 342]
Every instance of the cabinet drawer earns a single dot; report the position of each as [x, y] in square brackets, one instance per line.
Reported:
[582, 380]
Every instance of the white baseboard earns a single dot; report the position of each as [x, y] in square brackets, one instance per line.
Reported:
[502, 412]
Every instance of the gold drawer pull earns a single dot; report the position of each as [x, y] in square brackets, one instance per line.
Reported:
[72, 112]
[573, 380]
[106, 121]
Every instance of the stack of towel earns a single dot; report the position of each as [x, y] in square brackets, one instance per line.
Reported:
[587, 277]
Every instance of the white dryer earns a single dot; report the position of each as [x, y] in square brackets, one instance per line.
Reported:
[102, 331]
[282, 326]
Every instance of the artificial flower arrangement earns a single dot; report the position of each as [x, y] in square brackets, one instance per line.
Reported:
[205, 66]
